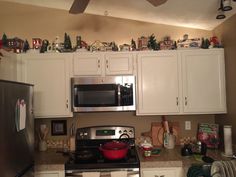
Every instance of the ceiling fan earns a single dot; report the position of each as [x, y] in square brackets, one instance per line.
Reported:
[79, 6]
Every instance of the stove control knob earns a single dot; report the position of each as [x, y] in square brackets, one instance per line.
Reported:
[120, 132]
[125, 131]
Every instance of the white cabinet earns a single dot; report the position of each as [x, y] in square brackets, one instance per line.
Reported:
[87, 64]
[101, 64]
[8, 66]
[50, 174]
[203, 81]
[162, 172]
[119, 63]
[181, 82]
[51, 78]
[158, 84]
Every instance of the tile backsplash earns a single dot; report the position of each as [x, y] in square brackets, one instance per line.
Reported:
[141, 123]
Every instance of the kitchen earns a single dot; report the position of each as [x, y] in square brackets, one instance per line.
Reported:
[51, 22]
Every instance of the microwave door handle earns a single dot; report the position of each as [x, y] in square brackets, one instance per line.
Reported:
[119, 95]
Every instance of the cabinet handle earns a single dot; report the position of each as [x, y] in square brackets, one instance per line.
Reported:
[98, 63]
[185, 101]
[67, 104]
[159, 176]
[107, 63]
[177, 101]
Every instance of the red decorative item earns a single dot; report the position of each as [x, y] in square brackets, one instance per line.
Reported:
[36, 43]
[0, 44]
[214, 40]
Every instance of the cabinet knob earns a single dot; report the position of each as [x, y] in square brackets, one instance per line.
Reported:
[185, 101]
[107, 63]
[99, 64]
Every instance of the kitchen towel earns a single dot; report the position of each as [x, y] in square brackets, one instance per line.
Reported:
[91, 174]
[228, 140]
[119, 174]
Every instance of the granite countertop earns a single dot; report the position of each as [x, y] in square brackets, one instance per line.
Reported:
[173, 158]
[51, 160]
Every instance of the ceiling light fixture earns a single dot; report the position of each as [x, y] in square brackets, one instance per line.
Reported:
[227, 5]
[220, 12]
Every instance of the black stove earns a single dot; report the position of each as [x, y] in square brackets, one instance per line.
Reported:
[88, 157]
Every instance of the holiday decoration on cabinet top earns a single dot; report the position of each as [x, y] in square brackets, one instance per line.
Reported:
[17, 45]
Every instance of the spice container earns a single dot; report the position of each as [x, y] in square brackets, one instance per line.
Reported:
[147, 150]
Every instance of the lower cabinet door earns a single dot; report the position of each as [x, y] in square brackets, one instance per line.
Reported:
[50, 174]
[162, 172]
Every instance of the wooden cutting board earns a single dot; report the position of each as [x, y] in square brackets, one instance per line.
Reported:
[157, 132]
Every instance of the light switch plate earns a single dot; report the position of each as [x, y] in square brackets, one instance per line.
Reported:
[187, 125]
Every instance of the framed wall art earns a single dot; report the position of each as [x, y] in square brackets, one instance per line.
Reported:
[58, 127]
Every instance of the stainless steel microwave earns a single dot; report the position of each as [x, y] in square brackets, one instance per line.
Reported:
[110, 93]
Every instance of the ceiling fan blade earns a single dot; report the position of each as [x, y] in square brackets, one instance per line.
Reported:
[78, 6]
[157, 2]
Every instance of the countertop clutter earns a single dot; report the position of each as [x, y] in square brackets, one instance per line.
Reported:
[50, 160]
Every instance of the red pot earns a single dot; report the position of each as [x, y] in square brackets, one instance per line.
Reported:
[114, 150]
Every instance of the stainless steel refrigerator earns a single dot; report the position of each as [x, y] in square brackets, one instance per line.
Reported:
[16, 129]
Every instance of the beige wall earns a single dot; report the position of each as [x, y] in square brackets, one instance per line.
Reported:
[27, 22]
[226, 32]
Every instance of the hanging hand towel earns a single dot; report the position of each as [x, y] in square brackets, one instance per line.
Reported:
[119, 174]
[91, 174]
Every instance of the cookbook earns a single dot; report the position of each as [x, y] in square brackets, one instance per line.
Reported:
[209, 134]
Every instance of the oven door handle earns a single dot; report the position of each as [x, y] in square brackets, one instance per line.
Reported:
[130, 173]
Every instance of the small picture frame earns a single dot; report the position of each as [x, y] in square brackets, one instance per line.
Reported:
[58, 127]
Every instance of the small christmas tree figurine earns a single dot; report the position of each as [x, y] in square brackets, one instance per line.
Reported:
[67, 42]
[133, 45]
[205, 43]
[26, 46]
[4, 40]
[152, 43]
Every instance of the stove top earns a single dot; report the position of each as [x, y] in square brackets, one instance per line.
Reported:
[88, 155]
[93, 159]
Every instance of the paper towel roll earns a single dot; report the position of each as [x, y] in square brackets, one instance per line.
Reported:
[228, 140]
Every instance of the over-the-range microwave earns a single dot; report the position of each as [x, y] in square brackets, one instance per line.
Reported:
[110, 93]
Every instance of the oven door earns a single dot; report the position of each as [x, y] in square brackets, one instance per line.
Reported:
[129, 172]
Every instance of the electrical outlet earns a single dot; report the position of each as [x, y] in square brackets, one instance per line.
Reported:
[187, 125]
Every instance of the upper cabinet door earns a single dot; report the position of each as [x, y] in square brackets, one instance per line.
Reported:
[87, 64]
[204, 81]
[158, 85]
[8, 66]
[50, 75]
[119, 63]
